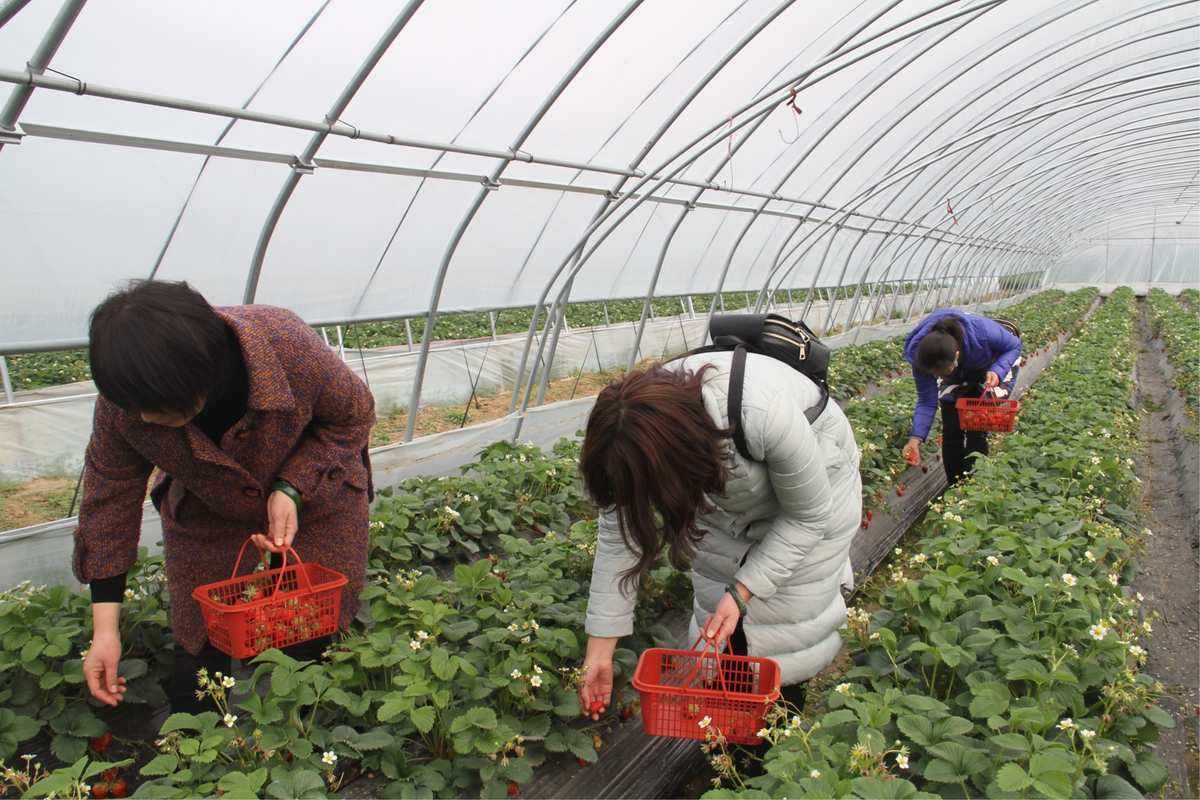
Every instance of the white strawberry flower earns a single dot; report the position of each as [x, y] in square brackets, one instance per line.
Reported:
[762, 733]
[230, 720]
[1069, 579]
[1067, 724]
[537, 670]
[993, 560]
[228, 682]
[515, 674]
[1098, 632]
[422, 635]
[1114, 578]
[844, 689]
[1137, 652]
[1087, 734]
[1089, 555]
[329, 758]
[1147, 627]
[1095, 459]
[704, 723]
[414, 645]
[450, 512]
[816, 773]
[1139, 597]
[902, 761]
[535, 681]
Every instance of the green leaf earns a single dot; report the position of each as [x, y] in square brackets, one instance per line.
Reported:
[1159, 717]
[923, 703]
[1149, 771]
[1055, 784]
[241, 784]
[68, 748]
[442, 664]
[300, 784]
[989, 700]
[189, 722]
[482, 718]
[1011, 778]
[161, 764]
[1053, 759]
[918, 729]
[1011, 741]
[424, 718]
[941, 771]
[1026, 669]
[1114, 787]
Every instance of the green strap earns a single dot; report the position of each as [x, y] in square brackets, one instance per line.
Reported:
[737, 598]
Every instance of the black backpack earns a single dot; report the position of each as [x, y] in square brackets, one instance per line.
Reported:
[789, 341]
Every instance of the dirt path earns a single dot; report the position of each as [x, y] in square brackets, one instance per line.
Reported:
[1169, 576]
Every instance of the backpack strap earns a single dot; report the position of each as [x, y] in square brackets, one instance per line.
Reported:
[737, 375]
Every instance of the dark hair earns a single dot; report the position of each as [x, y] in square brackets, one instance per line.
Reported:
[652, 452]
[157, 346]
[940, 345]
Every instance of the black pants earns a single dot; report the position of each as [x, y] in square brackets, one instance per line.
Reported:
[794, 694]
[959, 448]
[181, 685]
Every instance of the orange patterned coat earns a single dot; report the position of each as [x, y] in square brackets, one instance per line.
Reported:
[308, 421]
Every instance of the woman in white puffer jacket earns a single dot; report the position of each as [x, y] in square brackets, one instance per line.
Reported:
[659, 462]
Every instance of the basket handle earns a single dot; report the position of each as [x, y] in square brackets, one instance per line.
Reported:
[237, 565]
[700, 662]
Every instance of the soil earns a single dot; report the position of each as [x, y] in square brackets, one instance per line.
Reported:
[1169, 573]
[38, 500]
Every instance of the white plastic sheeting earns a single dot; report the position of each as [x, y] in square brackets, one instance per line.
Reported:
[964, 135]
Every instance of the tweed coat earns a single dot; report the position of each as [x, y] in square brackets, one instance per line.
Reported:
[308, 420]
[783, 527]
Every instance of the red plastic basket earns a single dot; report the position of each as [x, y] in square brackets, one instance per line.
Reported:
[986, 413]
[248, 614]
[680, 688]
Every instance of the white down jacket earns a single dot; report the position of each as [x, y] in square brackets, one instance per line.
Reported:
[783, 527]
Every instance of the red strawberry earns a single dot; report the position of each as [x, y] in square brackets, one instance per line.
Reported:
[118, 788]
[582, 762]
[513, 789]
[900, 490]
[626, 713]
[99, 790]
[866, 523]
[596, 707]
[101, 742]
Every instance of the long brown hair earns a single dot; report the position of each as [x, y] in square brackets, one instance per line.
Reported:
[652, 452]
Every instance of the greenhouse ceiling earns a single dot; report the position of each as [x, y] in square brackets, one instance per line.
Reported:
[359, 160]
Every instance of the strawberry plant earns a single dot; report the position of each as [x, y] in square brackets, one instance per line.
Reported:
[1006, 658]
[1179, 330]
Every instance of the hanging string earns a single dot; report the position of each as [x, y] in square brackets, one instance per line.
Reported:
[729, 149]
[950, 211]
[795, 117]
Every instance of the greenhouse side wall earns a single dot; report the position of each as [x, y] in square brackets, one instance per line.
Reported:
[45, 431]
[41, 553]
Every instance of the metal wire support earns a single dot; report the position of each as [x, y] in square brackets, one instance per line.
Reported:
[37, 63]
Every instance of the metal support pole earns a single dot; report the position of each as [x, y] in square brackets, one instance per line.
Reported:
[408, 334]
[325, 336]
[10, 9]
[38, 62]
[492, 323]
[341, 343]
[304, 164]
[691, 307]
[607, 321]
[8, 390]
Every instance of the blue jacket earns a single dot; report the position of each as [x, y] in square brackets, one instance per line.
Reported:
[987, 347]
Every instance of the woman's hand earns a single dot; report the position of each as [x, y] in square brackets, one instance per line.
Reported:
[103, 657]
[596, 684]
[282, 524]
[721, 625]
[912, 451]
[991, 381]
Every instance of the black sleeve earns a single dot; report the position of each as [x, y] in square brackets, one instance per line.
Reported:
[109, 590]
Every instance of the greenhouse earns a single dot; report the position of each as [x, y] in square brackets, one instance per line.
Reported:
[624, 398]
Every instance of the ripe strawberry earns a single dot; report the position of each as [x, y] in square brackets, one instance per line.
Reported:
[626, 713]
[118, 788]
[100, 790]
[101, 742]
[597, 707]
[900, 490]
[582, 762]
[513, 789]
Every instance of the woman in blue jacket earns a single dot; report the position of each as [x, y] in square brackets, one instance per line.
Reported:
[955, 354]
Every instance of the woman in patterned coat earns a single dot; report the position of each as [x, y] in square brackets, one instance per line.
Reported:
[255, 426]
